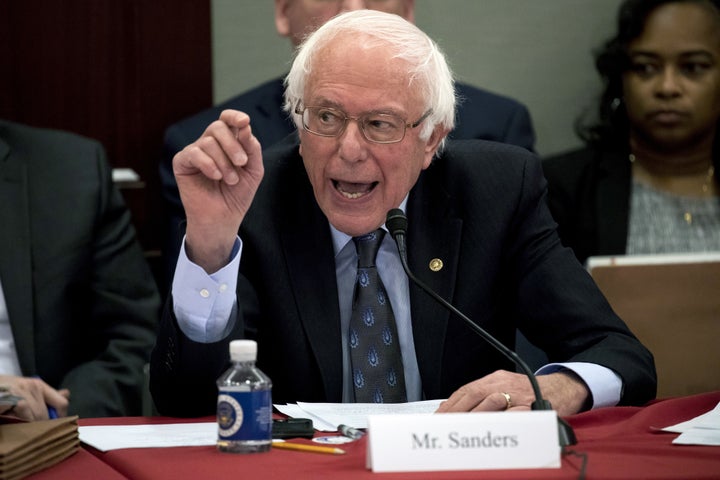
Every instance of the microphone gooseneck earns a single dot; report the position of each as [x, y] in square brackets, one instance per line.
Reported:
[396, 223]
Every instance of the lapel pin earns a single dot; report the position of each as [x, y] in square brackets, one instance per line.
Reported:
[436, 264]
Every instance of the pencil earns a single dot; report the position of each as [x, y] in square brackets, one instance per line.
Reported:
[308, 448]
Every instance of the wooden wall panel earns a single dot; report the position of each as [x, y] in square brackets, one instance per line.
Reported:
[119, 71]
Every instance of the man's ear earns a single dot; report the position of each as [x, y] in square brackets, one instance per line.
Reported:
[433, 143]
[282, 22]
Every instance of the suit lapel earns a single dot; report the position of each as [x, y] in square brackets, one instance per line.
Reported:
[307, 245]
[433, 234]
[15, 261]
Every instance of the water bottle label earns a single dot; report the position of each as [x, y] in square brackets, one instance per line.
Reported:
[244, 415]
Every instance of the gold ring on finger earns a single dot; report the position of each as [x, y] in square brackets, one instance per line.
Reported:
[508, 400]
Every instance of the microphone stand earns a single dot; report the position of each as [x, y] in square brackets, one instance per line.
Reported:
[396, 222]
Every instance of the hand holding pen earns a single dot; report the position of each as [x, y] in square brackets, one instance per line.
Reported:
[52, 411]
[30, 398]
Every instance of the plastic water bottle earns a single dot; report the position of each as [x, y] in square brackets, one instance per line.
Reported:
[244, 408]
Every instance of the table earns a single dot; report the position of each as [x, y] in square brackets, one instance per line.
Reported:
[618, 441]
[81, 465]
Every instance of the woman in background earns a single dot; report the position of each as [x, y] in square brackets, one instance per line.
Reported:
[646, 180]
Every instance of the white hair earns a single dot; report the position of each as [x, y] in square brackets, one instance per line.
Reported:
[427, 66]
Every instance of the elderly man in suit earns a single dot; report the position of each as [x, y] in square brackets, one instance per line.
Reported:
[373, 101]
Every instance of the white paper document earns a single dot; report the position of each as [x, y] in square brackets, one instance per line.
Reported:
[113, 437]
[701, 430]
[327, 416]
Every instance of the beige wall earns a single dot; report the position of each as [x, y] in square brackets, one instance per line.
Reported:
[537, 51]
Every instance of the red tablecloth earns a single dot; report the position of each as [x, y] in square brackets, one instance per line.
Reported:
[619, 442]
[79, 466]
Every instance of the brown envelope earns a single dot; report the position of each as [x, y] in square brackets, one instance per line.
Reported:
[29, 447]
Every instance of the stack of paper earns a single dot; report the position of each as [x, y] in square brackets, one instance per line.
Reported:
[28, 447]
[701, 430]
[112, 437]
[327, 416]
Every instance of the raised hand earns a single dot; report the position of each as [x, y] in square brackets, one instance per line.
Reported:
[218, 176]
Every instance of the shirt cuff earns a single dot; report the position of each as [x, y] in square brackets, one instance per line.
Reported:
[203, 303]
[605, 385]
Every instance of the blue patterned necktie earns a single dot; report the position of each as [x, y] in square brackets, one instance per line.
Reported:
[377, 368]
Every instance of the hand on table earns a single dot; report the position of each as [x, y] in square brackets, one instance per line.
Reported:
[33, 398]
[503, 390]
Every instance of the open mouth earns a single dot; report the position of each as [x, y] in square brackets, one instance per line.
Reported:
[353, 190]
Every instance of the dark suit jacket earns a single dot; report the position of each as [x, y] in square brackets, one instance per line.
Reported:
[589, 197]
[81, 300]
[480, 114]
[480, 208]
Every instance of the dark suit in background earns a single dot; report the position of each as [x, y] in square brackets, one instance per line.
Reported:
[81, 300]
[589, 194]
[480, 207]
[480, 114]
[589, 197]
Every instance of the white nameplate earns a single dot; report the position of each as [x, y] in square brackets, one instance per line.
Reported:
[463, 441]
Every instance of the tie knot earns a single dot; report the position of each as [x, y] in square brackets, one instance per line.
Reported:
[367, 247]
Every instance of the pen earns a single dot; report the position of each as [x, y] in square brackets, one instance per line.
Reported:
[301, 447]
[350, 432]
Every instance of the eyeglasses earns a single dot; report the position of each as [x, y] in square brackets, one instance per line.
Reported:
[375, 127]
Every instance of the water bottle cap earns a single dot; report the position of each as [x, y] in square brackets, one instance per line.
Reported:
[243, 350]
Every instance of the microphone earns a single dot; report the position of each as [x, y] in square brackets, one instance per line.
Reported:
[396, 222]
